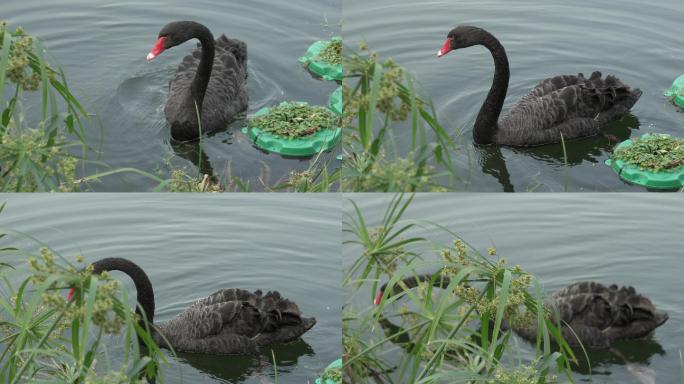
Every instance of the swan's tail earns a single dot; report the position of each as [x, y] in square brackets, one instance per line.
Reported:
[610, 93]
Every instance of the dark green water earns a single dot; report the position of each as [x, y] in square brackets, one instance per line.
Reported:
[611, 238]
[640, 42]
[191, 246]
[102, 47]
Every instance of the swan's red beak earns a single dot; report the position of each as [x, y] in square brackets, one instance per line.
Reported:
[378, 298]
[446, 47]
[71, 294]
[157, 49]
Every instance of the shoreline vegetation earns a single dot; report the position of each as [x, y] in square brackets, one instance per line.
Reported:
[51, 154]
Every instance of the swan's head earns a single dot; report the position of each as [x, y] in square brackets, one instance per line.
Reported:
[462, 37]
[175, 33]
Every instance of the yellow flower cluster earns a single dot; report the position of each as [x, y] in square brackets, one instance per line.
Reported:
[46, 153]
[103, 314]
[389, 100]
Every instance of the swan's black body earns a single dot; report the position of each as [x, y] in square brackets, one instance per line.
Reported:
[599, 315]
[567, 105]
[213, 77]
[228, 322]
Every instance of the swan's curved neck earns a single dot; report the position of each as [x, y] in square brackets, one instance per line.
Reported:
[201, 80]
[438, 281]
[143, 286]
[486, 124]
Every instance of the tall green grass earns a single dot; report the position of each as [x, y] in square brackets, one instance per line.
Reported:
[36, 157]
[380, 103]
[438, 338]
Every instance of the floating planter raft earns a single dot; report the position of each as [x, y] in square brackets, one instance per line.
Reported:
[332, 373]
[335, 102]
[655, 161]
[676, 93]
[287, 133]
[324, 59]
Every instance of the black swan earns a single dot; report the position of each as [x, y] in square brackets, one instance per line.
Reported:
[573, 106]
[213, 77]
[599, 315]
[227, 322]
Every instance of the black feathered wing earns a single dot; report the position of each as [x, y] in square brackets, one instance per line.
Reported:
[567, 105]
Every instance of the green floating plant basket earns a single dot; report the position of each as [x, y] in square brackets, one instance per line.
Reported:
[676, 93]
[664, 180]
[321, 68]
[305, 146]
[337, 364]
[335, 102]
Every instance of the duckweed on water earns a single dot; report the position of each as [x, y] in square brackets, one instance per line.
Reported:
[653, 153]
[332, 53]
[294, 120]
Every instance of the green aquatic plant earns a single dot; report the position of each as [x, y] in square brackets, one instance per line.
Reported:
[181, 181]
[332, 53]
[655, 153]
[380, 103]
[524, 374]
[435, 338]
[295, 120]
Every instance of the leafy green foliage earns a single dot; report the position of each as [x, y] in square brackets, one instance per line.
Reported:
[295, 120]
[332, 53]
[654, 153]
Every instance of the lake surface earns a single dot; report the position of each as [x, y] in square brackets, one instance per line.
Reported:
[611, 238]
[102, 47]
[640, 42]
[192, 246]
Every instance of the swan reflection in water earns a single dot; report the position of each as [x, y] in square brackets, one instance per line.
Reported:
[592, 150]
[240, 368]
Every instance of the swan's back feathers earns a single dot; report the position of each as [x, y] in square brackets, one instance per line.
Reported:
[235, 321]
[226, 93]
[600, 315]
[568, 105]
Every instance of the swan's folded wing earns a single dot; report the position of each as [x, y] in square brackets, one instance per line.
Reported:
[198, 322]
[228, 295]
[223, 344]
[555, 83]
